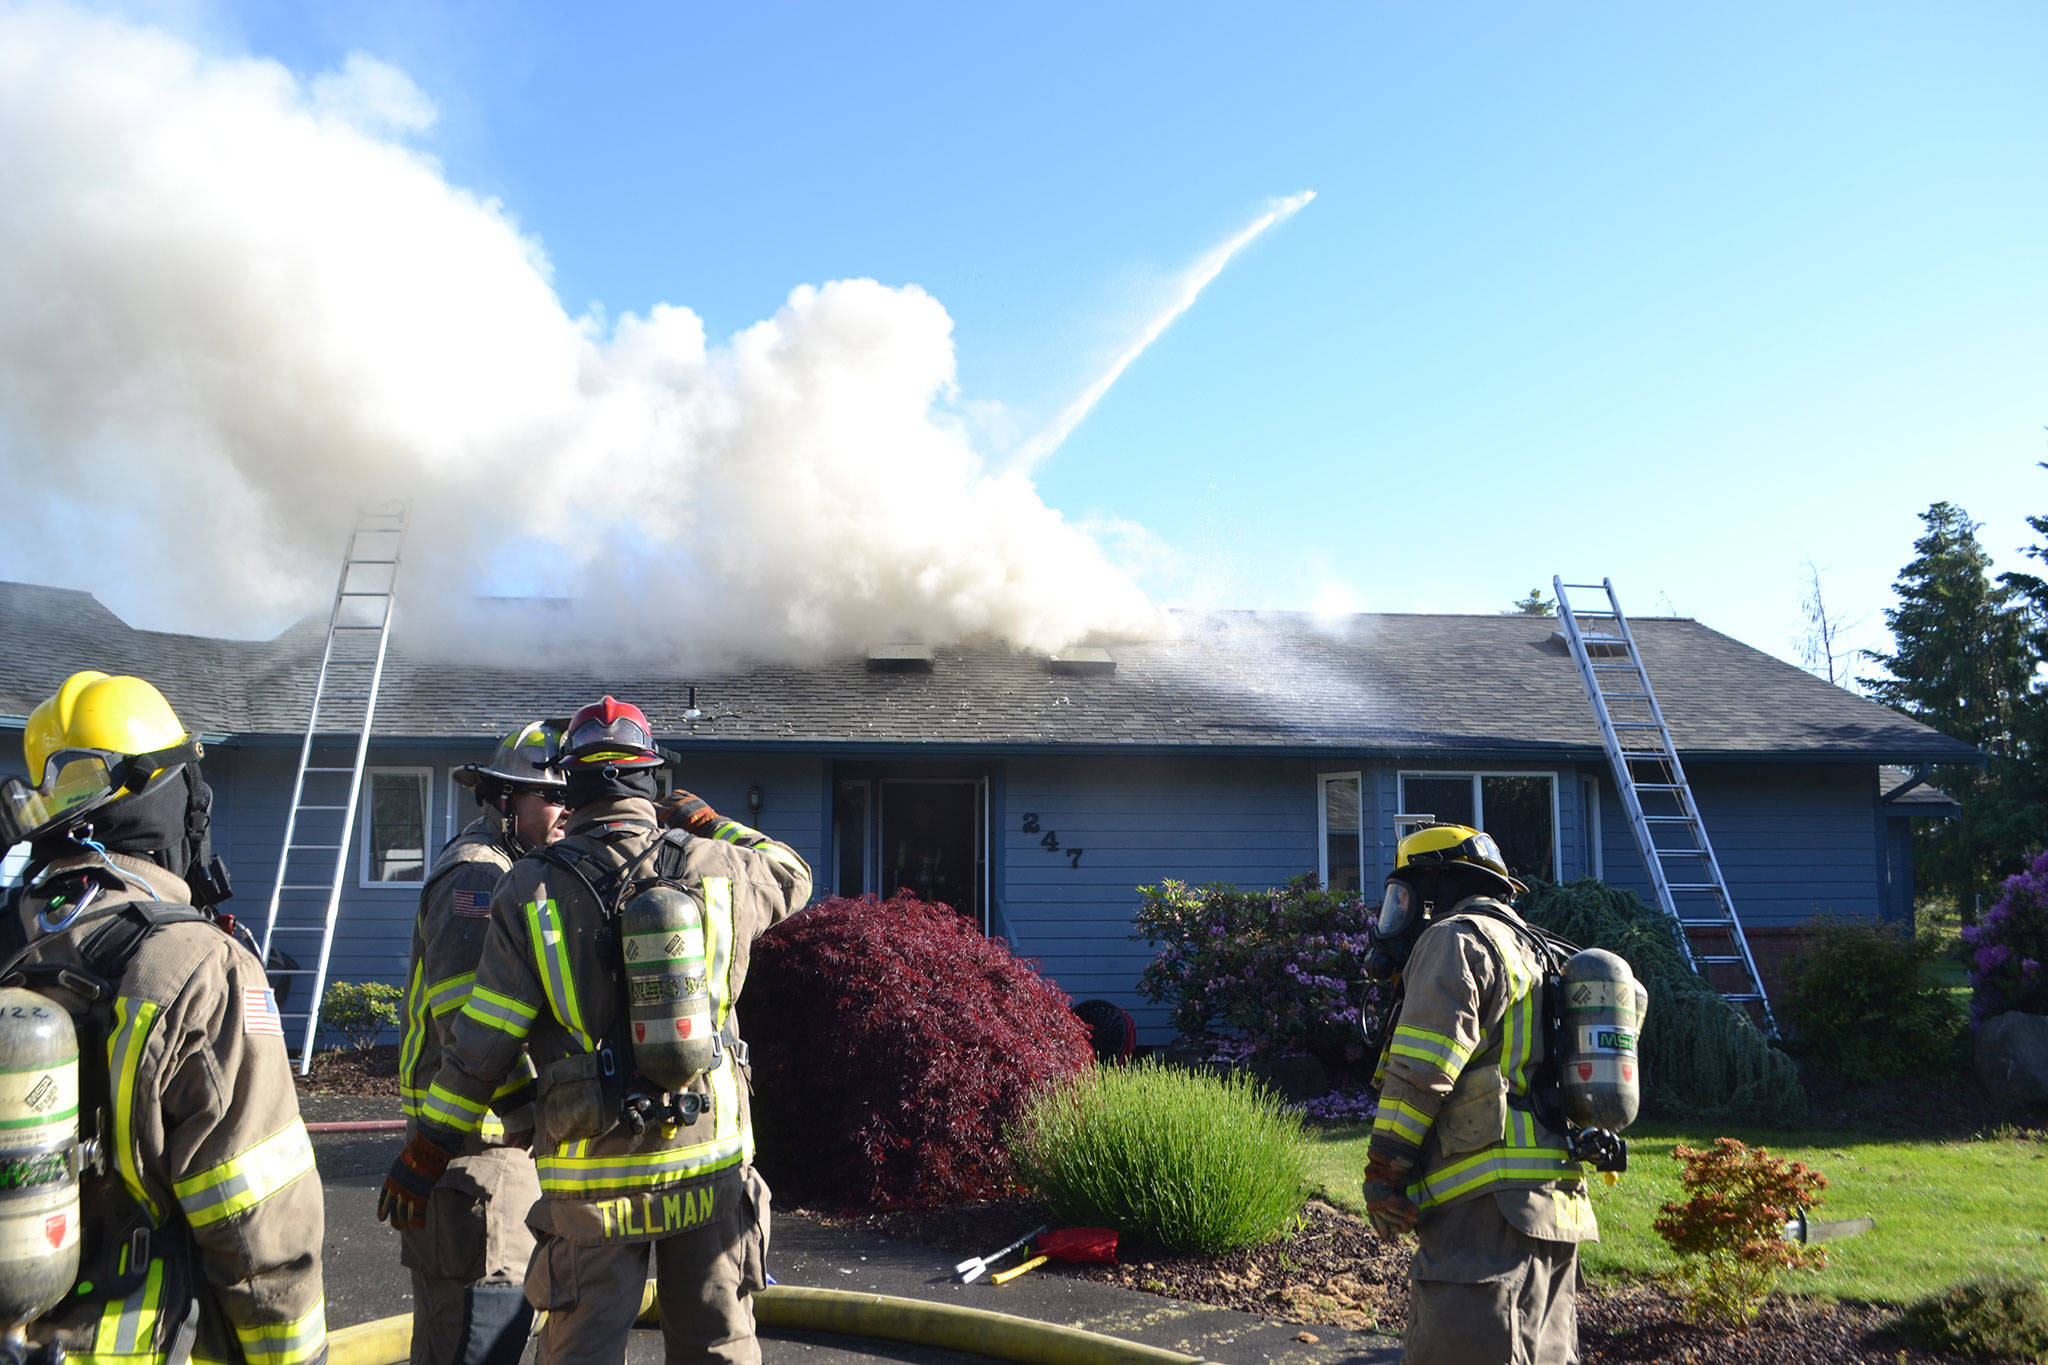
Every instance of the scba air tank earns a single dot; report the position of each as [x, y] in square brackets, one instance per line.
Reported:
[38, 1155]
[668, 996]
[1604, 1007]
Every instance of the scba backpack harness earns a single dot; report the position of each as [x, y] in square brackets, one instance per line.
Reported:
[657, 940]
[120, 1240]
[1588, 1086]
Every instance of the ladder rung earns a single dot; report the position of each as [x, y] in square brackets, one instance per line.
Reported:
[1742, 998]
[308, 807]
[1667, 819]
[1692, 886]
[1615, 668]
[392, 532]
[1636, 725]
[1708, 923]
[294, 971]
[1626, 696]
[378, 626]
[331, 848]
[306, 886]
[329, 770]
[1656, 787]
[299, 929]
[1717, 960]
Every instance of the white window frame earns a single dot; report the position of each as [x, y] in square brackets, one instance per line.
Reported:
[1479, 798]
[1323, 826]
[1589, 811]
[365, 814]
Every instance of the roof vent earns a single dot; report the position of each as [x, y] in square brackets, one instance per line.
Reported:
[1080, 659]
[899, 658]
[1595, 648]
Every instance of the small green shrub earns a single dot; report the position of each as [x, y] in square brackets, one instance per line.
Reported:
[1863, 1002]
[1185, 1160]
[2001, 1315]
[1728, 1233]
[1702, 1058]
[362, 1010]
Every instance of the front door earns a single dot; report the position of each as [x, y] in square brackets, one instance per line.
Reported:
[924, 835]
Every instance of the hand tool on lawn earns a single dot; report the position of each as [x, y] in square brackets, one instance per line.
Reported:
[973, 1267]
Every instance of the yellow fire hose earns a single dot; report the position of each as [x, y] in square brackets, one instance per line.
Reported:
[1000, 1336]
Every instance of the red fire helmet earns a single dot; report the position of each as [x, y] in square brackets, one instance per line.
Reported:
[609, 733]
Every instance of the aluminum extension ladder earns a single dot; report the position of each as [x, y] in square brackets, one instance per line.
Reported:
[306, 897]
[1668, 830]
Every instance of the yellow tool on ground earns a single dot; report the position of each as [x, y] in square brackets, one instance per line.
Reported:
[1005, 1276]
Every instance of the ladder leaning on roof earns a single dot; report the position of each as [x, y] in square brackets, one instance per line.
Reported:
[1666, 821]
[330, 776]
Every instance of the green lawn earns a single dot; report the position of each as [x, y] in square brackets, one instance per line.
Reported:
[1946, 1211]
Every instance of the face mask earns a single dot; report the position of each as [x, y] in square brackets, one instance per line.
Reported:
[1394, 932]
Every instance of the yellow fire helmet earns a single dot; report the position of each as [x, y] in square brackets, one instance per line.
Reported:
[1455, 845]
[98, 739]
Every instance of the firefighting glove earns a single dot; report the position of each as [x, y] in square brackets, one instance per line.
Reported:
[1385, 1189]
[687, 810]
[403, 1204]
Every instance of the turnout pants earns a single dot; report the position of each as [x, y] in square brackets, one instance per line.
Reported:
[1481, 1292]
[467, 1263]
[705, 1279]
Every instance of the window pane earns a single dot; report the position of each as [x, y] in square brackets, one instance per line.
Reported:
[1518, 818]
[1342, 843]
[1449, 799]
[850, 837]
[398, 827]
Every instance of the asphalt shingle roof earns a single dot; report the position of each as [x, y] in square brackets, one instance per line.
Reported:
[1406, 684]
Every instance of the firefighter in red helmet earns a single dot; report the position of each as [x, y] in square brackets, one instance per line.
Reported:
[634, 1168]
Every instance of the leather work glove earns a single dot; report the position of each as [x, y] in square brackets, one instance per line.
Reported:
[403, 1204]
[1385, 1189]
[688, 811]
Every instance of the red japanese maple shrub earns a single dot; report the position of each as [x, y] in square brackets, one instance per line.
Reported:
[892, 1042]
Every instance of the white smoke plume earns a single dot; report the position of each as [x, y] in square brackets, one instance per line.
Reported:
[235, 303]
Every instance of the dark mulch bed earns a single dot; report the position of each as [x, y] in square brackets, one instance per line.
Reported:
[345, 1071]
[1335, 1272]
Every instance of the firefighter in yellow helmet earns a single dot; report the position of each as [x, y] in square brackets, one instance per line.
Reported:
[641, 1168]
[1458, 1154]
[468, 1261]
[205, 1222]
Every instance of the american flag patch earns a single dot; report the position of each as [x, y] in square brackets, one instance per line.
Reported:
[475, 904]
[259, 1013]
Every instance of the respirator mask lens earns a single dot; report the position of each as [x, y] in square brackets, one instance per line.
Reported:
[1398, 909]
[74, 781]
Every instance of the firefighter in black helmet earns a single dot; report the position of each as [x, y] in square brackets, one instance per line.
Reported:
[1458, 1155]
[468, 1262]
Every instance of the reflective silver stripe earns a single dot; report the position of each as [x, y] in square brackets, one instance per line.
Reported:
[579, 1174]
[500, 1012]
[550, 955]
[248, 1179]
[285, 1343]
[450, 994]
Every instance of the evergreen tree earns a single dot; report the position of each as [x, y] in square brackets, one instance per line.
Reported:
[1960, 663]
[1535, 604]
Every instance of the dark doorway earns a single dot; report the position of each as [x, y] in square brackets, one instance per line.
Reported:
[925, 835]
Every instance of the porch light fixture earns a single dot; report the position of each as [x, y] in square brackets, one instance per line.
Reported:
[754, 798]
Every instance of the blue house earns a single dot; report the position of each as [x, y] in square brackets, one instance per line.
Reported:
[1034, 793]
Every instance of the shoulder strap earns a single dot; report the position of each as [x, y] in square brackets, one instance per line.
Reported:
[112, 944]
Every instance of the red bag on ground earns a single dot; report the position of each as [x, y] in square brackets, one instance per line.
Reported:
[1096, 1245]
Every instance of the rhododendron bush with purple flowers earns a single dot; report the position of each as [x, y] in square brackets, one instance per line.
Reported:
[2009, 947]
[1277, 971]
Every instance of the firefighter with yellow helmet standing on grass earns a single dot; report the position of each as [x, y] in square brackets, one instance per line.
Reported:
[1458, 1153]
[469, 1261]
[644, 1142]
[202, 1209]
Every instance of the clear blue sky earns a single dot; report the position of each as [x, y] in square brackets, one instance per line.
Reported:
[1683, 295]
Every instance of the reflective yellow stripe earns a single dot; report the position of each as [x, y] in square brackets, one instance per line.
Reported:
[451, 994]
[286, 1343]
[1445, 1054]
[450, 1110]
[501, 1012]
[130, 1323]
[551, 956]
[1403, 1120]
[1498, 1163]
[133, 1020]
[639, 1170]
[245, 1181]
[416, 1016]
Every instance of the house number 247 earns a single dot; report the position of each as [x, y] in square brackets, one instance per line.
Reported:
[1050, 840]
